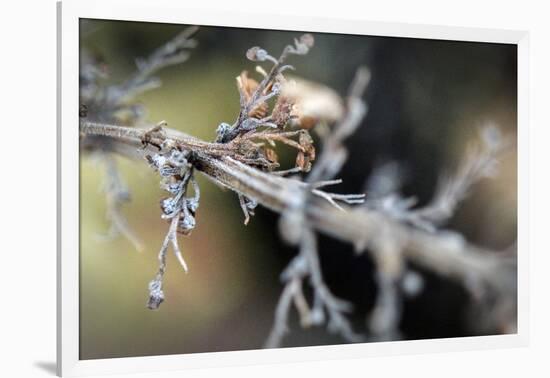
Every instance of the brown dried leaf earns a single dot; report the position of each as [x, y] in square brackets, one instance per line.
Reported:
[271, 155]
[305, 157]
[247, 86]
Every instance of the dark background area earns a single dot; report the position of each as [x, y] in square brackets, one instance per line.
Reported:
[426, 99]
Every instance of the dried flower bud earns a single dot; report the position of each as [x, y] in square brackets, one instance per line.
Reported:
[172, 187]
[256, 54]
[168, 206]
[303, 44]
[222, 130]
[192, 204]
[307, 40]
[186, 224]
[156, 295]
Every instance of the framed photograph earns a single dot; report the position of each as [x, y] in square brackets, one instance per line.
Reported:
[244, 190]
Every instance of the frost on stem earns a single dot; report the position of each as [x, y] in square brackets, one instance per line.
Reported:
[176, 174]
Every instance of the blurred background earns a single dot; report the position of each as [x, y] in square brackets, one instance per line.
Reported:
[426, 100]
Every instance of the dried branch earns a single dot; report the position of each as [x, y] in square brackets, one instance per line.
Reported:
[444, 253]
[243, 159]
[176, 172]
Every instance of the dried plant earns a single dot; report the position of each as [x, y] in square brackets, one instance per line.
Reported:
[277, 109]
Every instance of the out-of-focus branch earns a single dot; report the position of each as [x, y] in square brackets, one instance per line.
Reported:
[334, 153]
[480, 161]
[296, 230]
[111, 103]
[117, 194]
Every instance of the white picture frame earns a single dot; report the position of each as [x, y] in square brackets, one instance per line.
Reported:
[69, 13]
